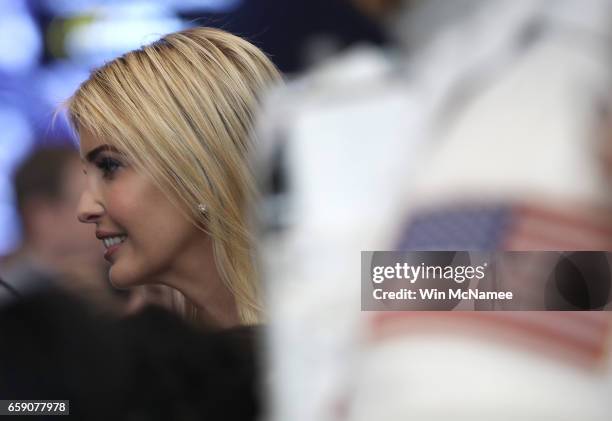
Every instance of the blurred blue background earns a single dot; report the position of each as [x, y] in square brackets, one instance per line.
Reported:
[48, 47]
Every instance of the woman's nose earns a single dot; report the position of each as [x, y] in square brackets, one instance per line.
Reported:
[89, 210]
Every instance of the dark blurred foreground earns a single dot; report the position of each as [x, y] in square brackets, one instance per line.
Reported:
[149, 366]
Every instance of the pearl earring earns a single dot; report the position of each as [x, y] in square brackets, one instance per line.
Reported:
[202, 207]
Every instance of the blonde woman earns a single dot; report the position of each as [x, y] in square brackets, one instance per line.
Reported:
[165, 138]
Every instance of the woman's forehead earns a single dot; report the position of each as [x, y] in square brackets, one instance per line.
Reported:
[88, 138]
[91, 145]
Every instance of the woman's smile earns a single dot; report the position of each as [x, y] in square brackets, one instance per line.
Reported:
[111, 242]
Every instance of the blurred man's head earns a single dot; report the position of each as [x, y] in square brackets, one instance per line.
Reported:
[47, 187]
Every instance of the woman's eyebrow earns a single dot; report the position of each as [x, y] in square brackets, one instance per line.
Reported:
[91, 155]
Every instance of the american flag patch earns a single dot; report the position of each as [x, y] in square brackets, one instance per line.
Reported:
[584, 336]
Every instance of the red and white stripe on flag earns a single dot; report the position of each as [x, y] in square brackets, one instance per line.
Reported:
[580, 337]
[564, 227]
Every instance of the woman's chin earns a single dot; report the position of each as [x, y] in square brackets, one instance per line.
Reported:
[121, 280]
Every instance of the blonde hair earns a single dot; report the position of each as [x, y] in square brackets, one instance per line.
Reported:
[191, 99]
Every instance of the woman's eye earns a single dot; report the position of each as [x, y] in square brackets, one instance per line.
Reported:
[108, 166]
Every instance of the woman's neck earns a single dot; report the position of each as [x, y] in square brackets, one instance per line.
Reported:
[196, 276]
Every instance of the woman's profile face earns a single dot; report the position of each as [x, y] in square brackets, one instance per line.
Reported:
[143, 233]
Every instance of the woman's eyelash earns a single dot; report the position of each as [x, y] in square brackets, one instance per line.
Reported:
[108, 166]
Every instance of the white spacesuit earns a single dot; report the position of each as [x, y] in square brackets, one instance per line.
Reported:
[499, 110]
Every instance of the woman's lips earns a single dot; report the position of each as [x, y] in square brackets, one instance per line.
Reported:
[111, 250]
